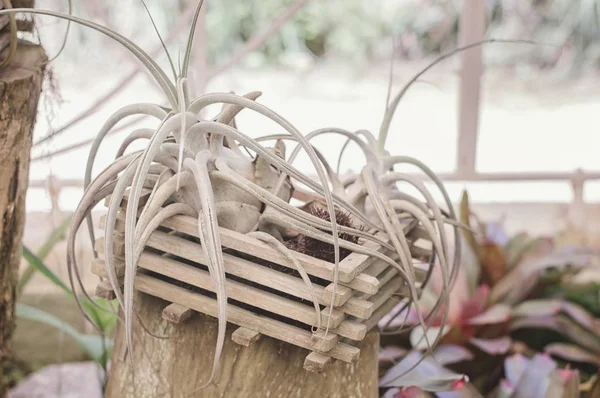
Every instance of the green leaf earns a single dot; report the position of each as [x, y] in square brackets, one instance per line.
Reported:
[94, 345]
[38, 265]
[105, 320]
[516, 248]
[55, 237]
[465, 218]
[595, 389]
[564, 383]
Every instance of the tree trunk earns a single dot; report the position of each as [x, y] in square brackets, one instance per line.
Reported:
[20, 87]
[177, 366]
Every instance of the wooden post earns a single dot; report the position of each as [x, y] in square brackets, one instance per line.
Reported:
[472, 30]
[266, 367]
[20, 87]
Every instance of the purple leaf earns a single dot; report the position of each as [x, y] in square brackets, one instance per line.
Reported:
[560, 324]
[428, 374]
[411, 392]
[518, 283]
[467, 391]
[391, 393]
[572, 353]
[581, 316]
[537, 308]
[492, 346]
[555, 306]
[496, 314]
[534, 382]
[391, 353]
[495, 232]
[417, 336]
[449, 353]
[514, 367]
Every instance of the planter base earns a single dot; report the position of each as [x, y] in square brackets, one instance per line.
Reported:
[265, 368]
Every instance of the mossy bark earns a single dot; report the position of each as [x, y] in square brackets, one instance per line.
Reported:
[20, 88]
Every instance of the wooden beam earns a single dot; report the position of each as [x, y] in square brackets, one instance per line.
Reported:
[245, 318]
[316, 362]
[245, 337]
[472, 29]
[177, 313]
[104, 290]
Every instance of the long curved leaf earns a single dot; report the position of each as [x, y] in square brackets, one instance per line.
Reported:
[92, 344]
[55, 237]
[39, 265]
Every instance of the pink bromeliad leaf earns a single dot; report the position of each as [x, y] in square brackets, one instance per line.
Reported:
[535, 380]
[428, 375]
[475, 304]
[411, 392]
[497, 346]
[498, 313]
[450, 353]
[391, 353]
[514, 367]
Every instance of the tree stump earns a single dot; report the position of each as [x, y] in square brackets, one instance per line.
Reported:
[20, 87]
[266, 367]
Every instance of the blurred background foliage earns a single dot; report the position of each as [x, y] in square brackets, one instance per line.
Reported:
[360, 31]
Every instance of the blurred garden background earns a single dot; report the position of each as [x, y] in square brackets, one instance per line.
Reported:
[536, 152]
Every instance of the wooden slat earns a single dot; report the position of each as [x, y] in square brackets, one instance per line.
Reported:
[352, 330]
[377, 267]
[355, 263]
[241, 317]
[381, 312]
[105, 291]
[316, 362]
[342, 294]
[177, 313]
[236, 266]
[246, 244]
[99, 269]
[237, 291]
[245, 337]
[254, 247]
[358, 307]
[324, 342]
[118, 246]
[386, 292]
[343, 327]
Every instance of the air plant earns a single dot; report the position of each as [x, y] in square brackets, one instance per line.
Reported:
[195, 166]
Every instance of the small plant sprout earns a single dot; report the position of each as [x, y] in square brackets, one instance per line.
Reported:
[197, 167]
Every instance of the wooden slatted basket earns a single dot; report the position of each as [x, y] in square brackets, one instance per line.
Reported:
[265, 298]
